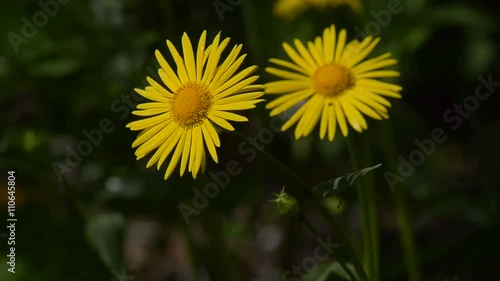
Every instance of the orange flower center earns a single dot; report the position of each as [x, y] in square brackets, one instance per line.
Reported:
[191, 104]
[332, 80]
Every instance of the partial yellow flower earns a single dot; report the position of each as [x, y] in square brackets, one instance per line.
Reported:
[332, 83]
[289, 9]
[181, 116]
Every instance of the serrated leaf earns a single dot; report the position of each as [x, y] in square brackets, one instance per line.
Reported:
[337, 185]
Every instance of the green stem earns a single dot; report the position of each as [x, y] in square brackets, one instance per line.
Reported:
[315, 232]
[347, 270]
[367, 202]
[399, 197]
[301, 190]
[372, 205]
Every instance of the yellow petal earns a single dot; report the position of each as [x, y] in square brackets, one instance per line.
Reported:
[211, 130]
[159, 88]
[229, 116]
[197, 134]
[329, 38]
[286, 102]
[150, 105]
[209, 141]
[378, 74]
[324, 122]
[363, 108]
[297, 59]
[165, 147]
[172, 82]
[294, 118]
[318, 60]
[239, 98]
[234, 88]
[313, 115]
[187, 50]
[185, 152]
[221, 122]
[354, 118]
[339, 114]
[375, 85]
[289, 65]
[147, 122]
[305, 53]
[286, 74]
[177, 155]
[228, 67]
[200, 54]
[192, 153]
[156, 140]
[150, 112]
[172, 142]
[340, 45]
[181, 69]
[149, 133]
[365, 52]
[152, 96]
[237, 105]
[332, 122]
[373, 64]
[235, 80]
[286, 86]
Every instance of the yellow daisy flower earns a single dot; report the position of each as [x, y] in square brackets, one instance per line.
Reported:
[181, 116]
[334, 84]
[289, 9]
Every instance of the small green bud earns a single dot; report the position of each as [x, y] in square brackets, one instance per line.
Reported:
[287, 205]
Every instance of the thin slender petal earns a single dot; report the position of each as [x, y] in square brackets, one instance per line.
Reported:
[179, 118]
[329, 81]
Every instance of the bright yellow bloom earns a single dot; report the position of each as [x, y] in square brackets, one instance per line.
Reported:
[180, 117]
[289, 9]
[334, 84]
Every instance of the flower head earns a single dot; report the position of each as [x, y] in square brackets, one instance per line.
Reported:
[289, 9]
[332, 83]
[179, 120]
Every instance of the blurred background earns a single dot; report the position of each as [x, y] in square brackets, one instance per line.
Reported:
[67, 72]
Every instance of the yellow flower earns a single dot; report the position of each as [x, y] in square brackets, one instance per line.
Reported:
[334, 84]
[180, 117]
[289, 9]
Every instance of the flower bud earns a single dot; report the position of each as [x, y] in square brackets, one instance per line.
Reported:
[287, 205]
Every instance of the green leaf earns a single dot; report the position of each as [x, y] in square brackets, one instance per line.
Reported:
[327, 271]
[336, 185]
[105, 232]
